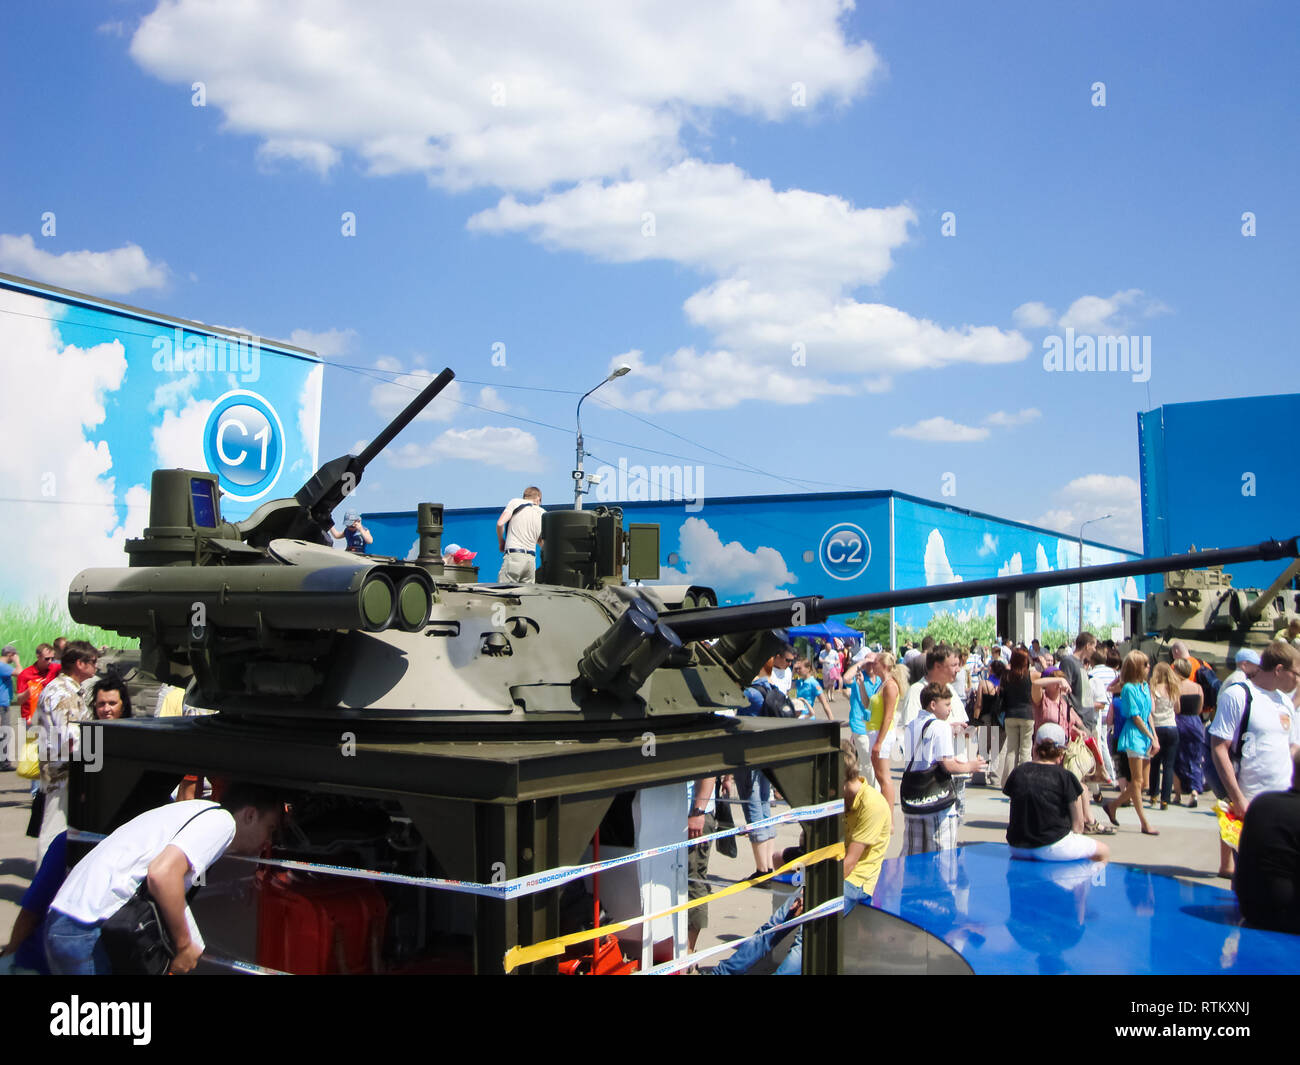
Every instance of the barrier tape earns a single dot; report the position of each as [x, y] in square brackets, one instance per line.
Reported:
[245, 967]
[523, 885]
[549, 948]
[826, 909]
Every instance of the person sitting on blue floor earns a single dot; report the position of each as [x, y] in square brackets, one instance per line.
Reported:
[1046, 815]
[868, 823]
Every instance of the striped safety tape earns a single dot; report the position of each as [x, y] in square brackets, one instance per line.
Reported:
[548, 948]
[827, 909]
[533, 882]
[245, 967]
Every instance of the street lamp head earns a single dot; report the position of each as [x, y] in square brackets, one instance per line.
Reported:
[624, 369]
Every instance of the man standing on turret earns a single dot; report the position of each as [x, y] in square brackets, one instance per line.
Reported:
[519, 531]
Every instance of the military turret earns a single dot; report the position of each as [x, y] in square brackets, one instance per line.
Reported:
[1201, 608]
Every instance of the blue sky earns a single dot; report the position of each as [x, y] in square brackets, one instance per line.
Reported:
[637, 183]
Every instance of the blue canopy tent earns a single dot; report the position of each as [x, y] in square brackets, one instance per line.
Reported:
[827, 630]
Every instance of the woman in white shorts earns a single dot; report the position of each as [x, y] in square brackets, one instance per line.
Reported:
[879, 740]
[1046, 817]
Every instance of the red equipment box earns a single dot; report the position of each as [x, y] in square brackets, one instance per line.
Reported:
[313, 926]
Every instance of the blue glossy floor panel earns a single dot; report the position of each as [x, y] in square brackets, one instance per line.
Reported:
[1008, 916]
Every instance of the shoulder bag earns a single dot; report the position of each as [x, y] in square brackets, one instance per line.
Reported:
[926, 791]
[136, 936]
[1212, 777]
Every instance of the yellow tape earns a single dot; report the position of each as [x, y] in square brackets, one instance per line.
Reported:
[548, 948]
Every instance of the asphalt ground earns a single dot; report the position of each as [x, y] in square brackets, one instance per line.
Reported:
[1186, 847]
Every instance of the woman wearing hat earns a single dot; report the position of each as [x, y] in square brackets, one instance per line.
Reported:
[1047, 815]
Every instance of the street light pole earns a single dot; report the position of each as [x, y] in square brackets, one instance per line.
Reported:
[578, 476]
[1088, 522]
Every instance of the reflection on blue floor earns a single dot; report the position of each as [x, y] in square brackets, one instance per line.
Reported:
[1009, 916]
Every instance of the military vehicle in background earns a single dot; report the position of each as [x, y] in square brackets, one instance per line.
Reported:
[1214, 619]
[426, 725]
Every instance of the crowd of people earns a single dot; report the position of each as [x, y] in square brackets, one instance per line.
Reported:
[1054, 730]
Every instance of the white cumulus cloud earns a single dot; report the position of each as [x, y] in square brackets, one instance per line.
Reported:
[66, 511]
[178, 438]
[784, 263]
[732, 568]
[1015, 564]
[389, 398]
[1005, 420]
[309, 399]
[988, 546]
[327, 343]
[709, 380]
[504, 446]
[1091, 496]
[99, 273]
[941, 430]
[502, 93]
[1108, 315]
[716, 219]
[173, 392]
[937, 568]
[490, 399]
[1033, 315]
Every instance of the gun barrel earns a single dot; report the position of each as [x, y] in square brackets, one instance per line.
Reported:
[1255, 610]
[399, 423]
[807, 610]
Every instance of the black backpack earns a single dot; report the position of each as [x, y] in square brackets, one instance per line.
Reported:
[1209, 682]
[775, 702]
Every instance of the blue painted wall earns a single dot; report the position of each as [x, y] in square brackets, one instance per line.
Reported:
[1218, 474]
[765, 547]
[935, 544]
[99, 395]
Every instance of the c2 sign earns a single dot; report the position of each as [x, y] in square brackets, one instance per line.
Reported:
[845, 551]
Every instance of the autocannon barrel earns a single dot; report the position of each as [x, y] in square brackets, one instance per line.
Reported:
[808, 610]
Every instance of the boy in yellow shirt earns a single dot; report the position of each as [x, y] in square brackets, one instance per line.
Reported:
[867, 827]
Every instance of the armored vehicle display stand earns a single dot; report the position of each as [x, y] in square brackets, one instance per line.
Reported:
[487, 804]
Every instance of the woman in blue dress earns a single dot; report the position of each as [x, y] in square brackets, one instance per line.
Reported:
[1138, 739]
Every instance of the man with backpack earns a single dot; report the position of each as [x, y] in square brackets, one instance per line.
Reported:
[1202, 672]
[1253, 732]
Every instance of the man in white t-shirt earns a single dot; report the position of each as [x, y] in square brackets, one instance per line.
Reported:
[167, 849]
[782, 675]
[1269, 736]
[927, 742]
[519, 531]
[941, 665]
[1247, 662]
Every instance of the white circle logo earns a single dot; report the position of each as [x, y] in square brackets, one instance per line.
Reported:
[845, 551]
[244, 445]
